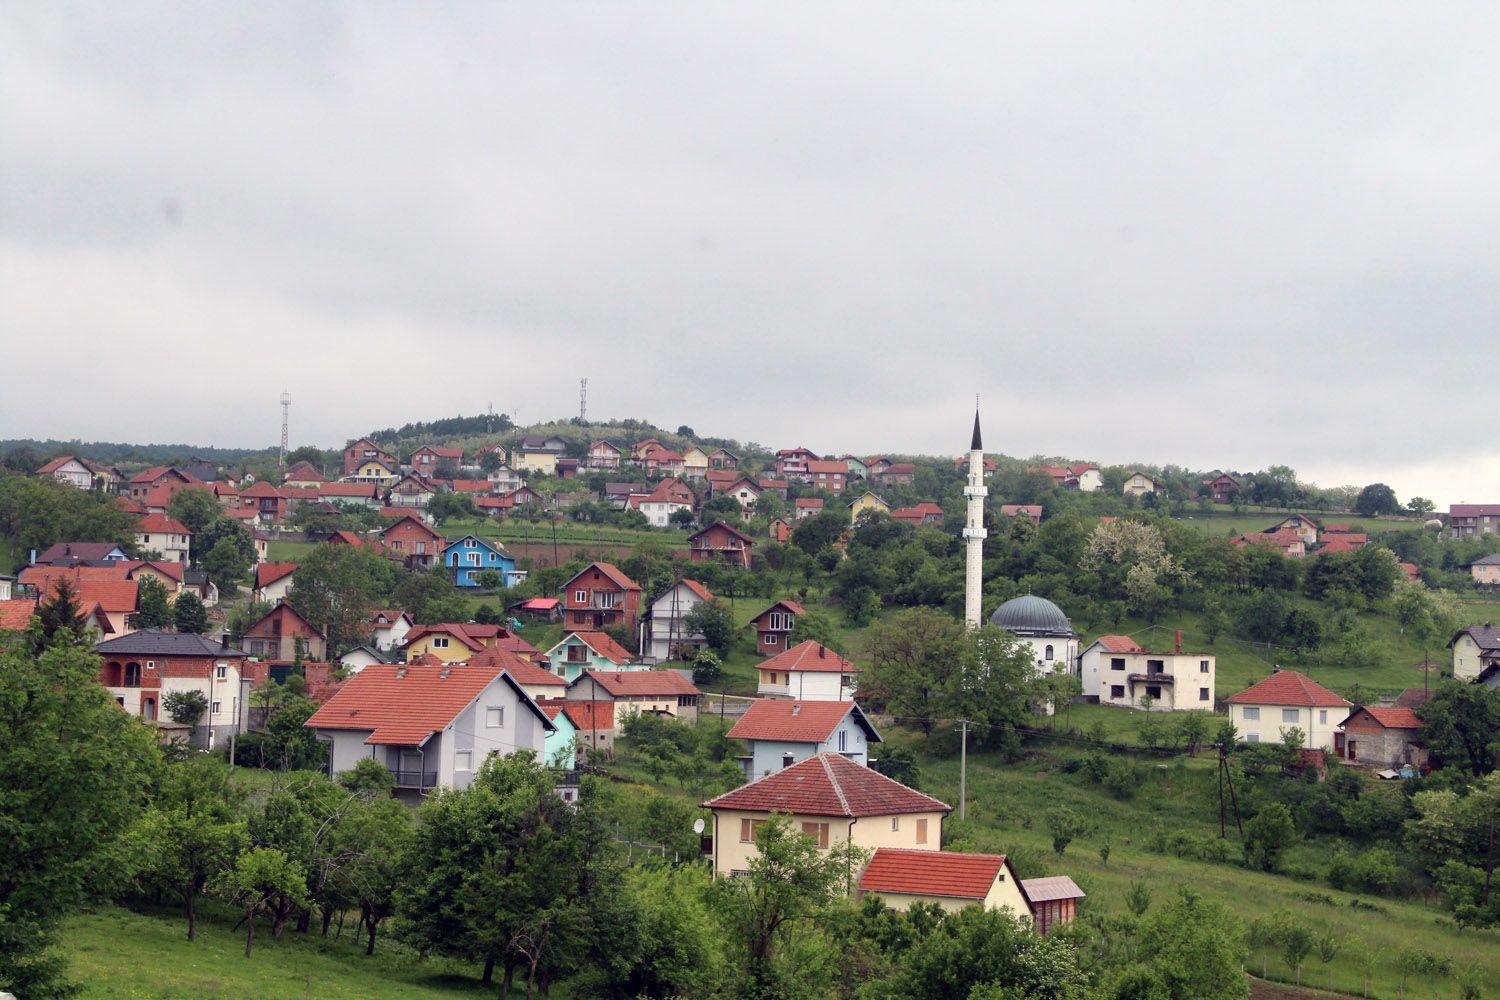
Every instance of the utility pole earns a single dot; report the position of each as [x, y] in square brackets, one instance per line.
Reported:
[963, 769]
[286, 407]
[1220, 748]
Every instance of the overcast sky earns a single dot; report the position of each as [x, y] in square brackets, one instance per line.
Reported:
[1208, 234]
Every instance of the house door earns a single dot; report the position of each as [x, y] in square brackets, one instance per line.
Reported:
[598, 620]
[1352, 755]
[148, 709]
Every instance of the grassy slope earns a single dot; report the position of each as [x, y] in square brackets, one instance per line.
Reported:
[1227, 522]
[114, 952]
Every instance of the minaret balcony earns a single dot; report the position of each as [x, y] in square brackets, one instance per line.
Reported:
[976, 491]
[979, 533]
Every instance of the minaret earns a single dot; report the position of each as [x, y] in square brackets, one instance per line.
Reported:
[974, 531]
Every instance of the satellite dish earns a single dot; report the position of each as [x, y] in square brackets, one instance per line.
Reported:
[698, 825]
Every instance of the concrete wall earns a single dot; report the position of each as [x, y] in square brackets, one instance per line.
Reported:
[806, 685]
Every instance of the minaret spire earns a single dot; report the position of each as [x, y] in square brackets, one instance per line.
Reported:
[974, 533]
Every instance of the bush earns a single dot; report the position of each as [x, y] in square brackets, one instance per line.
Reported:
[1122, 777]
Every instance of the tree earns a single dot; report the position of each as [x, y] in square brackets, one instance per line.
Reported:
[259, 876]
[189, 614]
[185, 707]
[1065, 826]
[1195, 948]
[59, 616]
[1138, 898]
[1267, 836]
[790, 882]
[195, 507]
[444, 507]
[814, 625]
[900, 764]
[153, 606]
[337, 587]
[225, 550]
[429, 597]
[1420, 505]
[310, 454]
[914, 655]
[1461, 725]
[1296, 942]
[1377, 499]
[371, 841]
[707, 667]
[984, 954]
[821, 531]
[194, 830]
[712, 620]
[76, 771]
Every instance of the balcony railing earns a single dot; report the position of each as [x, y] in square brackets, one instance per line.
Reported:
[1152, 678]
[414, 779]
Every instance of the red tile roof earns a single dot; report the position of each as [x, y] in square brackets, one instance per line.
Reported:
[444, 628]
[612, 572]
[161, 524]
[590, 716]
[828, 785]
[402, 706]
[105, 586]
[811, 503]
[792, 721]
[640, 683]
[363, 490]
[170, 570]
[470, 485]
[932, 873]
[827, 466]
[1395, 718]
[1120, 644]
[601, 643]
[1287, 687]
[698, 588]
[518, 666]
[811, 657]
[260, 489]
[791, 606]
[1473, 509]
[16, 615]
[268, 573]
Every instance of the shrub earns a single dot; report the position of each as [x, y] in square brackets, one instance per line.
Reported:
[1122, 777]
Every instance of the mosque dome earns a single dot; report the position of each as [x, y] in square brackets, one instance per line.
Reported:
[1032, 615]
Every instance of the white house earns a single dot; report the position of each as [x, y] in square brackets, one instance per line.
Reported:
[358, 658]
[71, 470]
[663, 632]
[1476, 651]
[430, 726]
[1088, 478]
[388, 628]
[273, 581]
[809, 671]
[780, 733]
[1118, 671]
[160, 533]
[1264, 712]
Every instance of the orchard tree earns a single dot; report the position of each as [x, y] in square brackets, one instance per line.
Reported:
[194, 830]
[1461, 726]
[337, 587]
[712, 620]
[258, 877]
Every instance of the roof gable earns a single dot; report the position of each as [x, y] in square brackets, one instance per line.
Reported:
[809, 657]
[799, 721]
[1288, 687]
[828, 784]
[933, 873]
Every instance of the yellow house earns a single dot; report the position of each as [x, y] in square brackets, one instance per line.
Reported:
[695, 463]
[953, 881]
[833, 801]
[867, 501]
[447, 642]
[1475, 649]
[1138, 484]
[543, 462]
[372, 470]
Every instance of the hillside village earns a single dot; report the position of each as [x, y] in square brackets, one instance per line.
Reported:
[802, 673]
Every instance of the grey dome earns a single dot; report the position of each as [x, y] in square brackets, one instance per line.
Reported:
[1032, 615]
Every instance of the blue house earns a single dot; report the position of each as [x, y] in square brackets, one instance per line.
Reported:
[471, 555]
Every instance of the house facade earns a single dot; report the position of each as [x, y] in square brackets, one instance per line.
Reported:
[1485, 571]
[773, 627]
[658, 692]
[833, 801]
[792, 463]
[779, 734]
[665, 634]
[828, 474]
[1222, 488]
[283, 634]
[1265, 712]
[720, 541]
[1172, 681]
[273, 581]
[809, 671]
[903, 877]
[1469, 520]
[1138, 484]
[1382, 736]
[600, 596]
[410, 540]
[581, 651]
[539, 453]
[361, 453]
[1476, 652]
[160, 533]
[142, 668]
[602, 455]
[388, 628]
[430, 726]
[469, 556]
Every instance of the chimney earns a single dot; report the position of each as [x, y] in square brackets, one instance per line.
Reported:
[1177, 648]
[400, 672]
[443, 673]
[822, 651]
[796, 707]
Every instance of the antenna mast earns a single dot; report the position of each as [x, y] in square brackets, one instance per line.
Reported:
[583, 400]
[286, 409]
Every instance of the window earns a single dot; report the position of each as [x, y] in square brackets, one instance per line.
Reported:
[221, 672]
[1203, 694]
[922, 831]
[1252, 738]
[1155, 666]
[463, 760]
[771, 639]
[773, 678]
[1251, 714]
[214, 708]
[580, 597]
[440, 642]
[843, 740]
[816, 832]
[747, 829]
[494, 718]
[1153, 690]
[1117, 663]
[1290, 715]
[895, 823]
[1047, 653]
[1117, 690]
[577, 653]
[421, 548]
[787, 760]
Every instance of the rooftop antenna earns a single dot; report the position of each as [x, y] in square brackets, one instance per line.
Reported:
[583, 400]
[286, 409]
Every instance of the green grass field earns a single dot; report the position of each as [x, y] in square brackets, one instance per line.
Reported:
[114, 952]
[1228, 522]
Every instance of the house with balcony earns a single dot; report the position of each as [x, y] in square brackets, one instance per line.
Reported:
[773, 627]
[603, 455]
[666, 634]
[413, 542]
[792, 463]
[780, 733]
[694, 462]
[600, 596]
[720, 541]
[657, 692]
[539, 453]
[1222, 488]
[160, 533]
[469, 556]
[142, 668]
[719, 458]
[580, 651]
[833, 801]
[360, 452]
[809, 671]
[1470, 520]
[410, 491]
[426, 460]
[1116, 670]
[1265, 712]
[430, 726]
